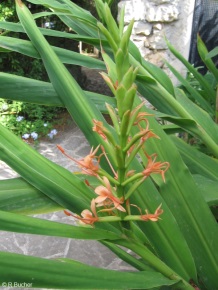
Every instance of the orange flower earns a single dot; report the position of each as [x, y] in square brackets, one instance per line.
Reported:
[86, 164]
[141, 116]
[155, 167]
[87, 217]
[106, 197]
[152, 217]
[100, 129]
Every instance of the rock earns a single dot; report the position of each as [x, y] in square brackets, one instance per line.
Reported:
[134, 9]
[158, 2]
[157, 58]
[156, 41]
[163, 13]
[142, 28]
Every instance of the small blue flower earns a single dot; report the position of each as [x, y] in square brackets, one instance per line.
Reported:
[19, 118]
[50, 135]
[34, 135]
[26, 136]
[54, 132]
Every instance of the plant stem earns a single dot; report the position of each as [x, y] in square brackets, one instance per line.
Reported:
[156, 263]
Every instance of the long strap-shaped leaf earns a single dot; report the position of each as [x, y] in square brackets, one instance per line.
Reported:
[23, 224]
[69, 274]
[64, 188]
[66, 56]
[81, 108]
[197, 162]
[165, 102]
[17, 27]
[18, 196]
[193, 92]
[210, 92]
[195, 220]
[38, 92]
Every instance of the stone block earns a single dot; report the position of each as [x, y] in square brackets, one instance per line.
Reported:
[159, 2]
[142, 28]
[134, 9]
[163, 13]
[156, 41]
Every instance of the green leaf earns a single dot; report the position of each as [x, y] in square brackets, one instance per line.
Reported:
[127, 257]
[202, 81]
[207, 129]
[24, 224]
[203, 52]
[18, 196]
[159, 75]
[193, 92]
[28, 90]
[66, 56]
[79, 106]
[56, 182]
[165, 236]
[208, 188]
[44, 273]
[212, 53]
[33, 91]
[197, 162]
[17, 27]
[67, 6]
[180, 194]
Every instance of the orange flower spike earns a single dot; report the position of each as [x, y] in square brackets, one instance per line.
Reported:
[152, 217]
[155, 167]
[106, 196]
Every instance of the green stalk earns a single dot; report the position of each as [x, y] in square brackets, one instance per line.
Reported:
[155, 262]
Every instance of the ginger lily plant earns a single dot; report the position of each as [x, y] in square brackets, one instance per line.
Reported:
[147, 200]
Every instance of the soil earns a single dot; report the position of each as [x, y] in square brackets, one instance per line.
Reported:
[94, 82]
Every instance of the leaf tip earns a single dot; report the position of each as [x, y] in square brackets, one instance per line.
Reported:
[19, 2]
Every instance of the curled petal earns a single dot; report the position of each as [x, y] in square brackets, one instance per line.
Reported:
[106, 196]
[155, 167]
[152, 217]
[99, 129]
[86, 164]
[100, 199]
[87, 217]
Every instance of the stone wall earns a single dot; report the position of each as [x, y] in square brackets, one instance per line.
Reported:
[155, 19]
